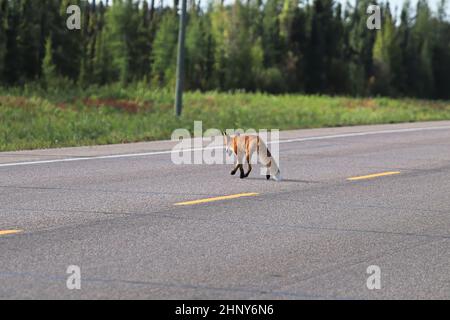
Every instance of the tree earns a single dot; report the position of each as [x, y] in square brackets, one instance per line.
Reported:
[122, 24]
[277, 46]
[164, 52]
[3, 35]
[294, 34]
[219, 17]
[441, 53]
[102, 59]
[360, 48]
[198, 51]
[49, 73]
[420, 45]
[12, 59]
[67, 43]
[400, 77]
[143, 43]
[238, 50]
[271, 40]
[319, 47]
[384, 51]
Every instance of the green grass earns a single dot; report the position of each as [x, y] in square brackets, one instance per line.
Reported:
[31, 119]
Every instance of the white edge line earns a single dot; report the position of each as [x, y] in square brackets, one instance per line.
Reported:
[134, 155]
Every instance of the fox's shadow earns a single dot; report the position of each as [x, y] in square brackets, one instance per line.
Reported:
[283, 180]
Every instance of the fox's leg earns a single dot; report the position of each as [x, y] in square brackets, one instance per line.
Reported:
[249, 170]
[249, 166]
[268, 170]
[241, 170]
[239, 167]
[240, 160]
[235, 169]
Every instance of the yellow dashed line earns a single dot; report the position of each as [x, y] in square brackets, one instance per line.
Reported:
[234, 196]
[6, 232]
[376, 175]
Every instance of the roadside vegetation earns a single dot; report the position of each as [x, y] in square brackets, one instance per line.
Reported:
[32, 118]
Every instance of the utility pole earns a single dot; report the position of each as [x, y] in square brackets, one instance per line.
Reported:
[180, 61]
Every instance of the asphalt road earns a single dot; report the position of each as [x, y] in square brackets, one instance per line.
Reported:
[311, 236]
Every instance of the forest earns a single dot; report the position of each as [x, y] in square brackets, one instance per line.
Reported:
[272, 46]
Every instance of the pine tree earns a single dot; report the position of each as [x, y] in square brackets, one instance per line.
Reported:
[143, 42]
[383, 53]
[441, 53]
[3, 36]
[271, 39]
[337, 67]
[197, 42]
[67, 43]
[360, 48]
[101, 63]
[294, 34]
[273, 45]
[164, 51]
[422, 41]
[116, 18]
[286, 18]
[400, 77]
[12, 60]
[49, 73]
[219, 17]
[238, 50]
[319, 50]
[85, 74]
[28, 44]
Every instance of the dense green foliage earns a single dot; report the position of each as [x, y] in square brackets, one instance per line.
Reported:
[276, 46]
[111, 114]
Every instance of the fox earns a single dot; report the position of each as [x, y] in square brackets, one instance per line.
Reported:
[243, 147]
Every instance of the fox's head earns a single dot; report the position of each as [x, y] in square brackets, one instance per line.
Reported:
[227, 141]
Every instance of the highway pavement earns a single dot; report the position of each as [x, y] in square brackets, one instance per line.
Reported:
[140, 227]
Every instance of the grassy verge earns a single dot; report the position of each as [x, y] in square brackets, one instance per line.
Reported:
[30, 119]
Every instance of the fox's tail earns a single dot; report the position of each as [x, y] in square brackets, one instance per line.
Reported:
[265, 157]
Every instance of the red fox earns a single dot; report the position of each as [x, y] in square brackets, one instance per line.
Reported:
[244, 146]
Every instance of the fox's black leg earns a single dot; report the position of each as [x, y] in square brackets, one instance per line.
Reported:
[235, 169]
[268, 169]
[241, 170]
[249, 165]
[249, 170]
